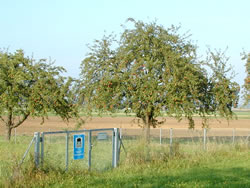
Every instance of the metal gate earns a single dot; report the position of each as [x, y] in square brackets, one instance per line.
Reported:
[102, 148]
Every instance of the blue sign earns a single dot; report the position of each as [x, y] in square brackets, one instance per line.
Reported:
[79, 141]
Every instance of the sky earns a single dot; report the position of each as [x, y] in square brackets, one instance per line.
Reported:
[61, 29]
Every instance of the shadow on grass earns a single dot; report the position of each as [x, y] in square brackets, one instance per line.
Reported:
[206, 177]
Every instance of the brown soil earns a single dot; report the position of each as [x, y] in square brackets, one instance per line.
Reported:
[55, 124]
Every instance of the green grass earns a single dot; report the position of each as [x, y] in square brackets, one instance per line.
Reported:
[243, 114]
[223, 165]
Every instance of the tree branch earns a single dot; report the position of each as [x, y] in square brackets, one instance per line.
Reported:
[21, 121]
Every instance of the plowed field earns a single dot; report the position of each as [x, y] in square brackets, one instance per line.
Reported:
[55, 123]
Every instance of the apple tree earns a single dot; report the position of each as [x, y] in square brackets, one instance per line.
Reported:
[152, 71]
[32, 88]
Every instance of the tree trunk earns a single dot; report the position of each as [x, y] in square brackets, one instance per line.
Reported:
[9, 124]
[147, 125]
[8, 133]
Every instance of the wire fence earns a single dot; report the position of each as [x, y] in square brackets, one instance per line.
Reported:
[157, 135]
[161, 134]
[199, 137]
[58, 148]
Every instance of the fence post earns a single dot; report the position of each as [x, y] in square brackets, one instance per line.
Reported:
[233, 135]
[115, 145]
[160, 134]
[170, 139]
[114, 154]
[67, 152]
[37, 148]
[42, 148]
[90, 148]
[205, 139]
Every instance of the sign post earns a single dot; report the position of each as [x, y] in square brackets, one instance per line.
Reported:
[79, 142]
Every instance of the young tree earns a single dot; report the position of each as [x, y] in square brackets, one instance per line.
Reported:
[153, 70]
[247, 79]
[32, 88]
[224, 93]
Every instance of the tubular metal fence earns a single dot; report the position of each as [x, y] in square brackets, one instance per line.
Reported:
[198, 137]
[56, 149]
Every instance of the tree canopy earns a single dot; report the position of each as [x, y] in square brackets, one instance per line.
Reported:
[151, 70]
[32, 88]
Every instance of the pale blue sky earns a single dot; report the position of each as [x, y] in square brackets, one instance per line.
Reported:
[61, 29]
